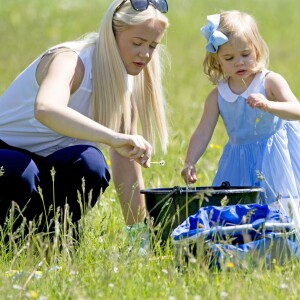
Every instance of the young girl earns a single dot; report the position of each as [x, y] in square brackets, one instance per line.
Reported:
[78, 95]
[258, 109]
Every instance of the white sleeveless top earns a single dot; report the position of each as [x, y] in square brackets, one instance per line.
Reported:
[18, 126]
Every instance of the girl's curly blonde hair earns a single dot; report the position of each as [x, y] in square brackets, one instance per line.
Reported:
[236, 24]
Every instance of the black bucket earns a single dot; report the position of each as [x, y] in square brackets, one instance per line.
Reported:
[169, 207]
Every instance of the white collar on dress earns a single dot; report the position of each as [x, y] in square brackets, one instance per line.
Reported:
[229, 96]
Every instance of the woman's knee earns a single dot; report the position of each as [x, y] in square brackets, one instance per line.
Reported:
[79, 160]
[94, 167]
[75, 166]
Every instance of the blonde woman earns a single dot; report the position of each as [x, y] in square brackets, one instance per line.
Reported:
[259, 110]
[76, 96]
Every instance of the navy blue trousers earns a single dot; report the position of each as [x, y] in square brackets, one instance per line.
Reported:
[25, 172]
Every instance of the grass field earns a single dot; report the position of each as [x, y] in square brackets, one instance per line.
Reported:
[102, 268]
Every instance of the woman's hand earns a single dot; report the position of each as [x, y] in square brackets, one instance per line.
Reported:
[188, 173]
[134, 147]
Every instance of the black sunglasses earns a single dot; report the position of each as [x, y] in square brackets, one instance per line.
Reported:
[140, 5]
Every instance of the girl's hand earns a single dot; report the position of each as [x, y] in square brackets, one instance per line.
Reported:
[134, 147]
[258, 101]
[188, 173]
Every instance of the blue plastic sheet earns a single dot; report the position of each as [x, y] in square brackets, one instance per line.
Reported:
[269, 234]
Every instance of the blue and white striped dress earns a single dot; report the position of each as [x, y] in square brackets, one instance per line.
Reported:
[262, 150]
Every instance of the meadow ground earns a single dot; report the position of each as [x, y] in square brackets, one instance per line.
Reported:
[102, 267]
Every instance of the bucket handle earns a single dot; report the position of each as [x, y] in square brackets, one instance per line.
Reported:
[174, 191]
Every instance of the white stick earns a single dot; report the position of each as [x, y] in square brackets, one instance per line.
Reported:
[161, 163]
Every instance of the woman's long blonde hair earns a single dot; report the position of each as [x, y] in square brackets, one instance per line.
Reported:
[235, 24]
[111, 103]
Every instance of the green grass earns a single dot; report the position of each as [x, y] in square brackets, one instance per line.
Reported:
[102, 268]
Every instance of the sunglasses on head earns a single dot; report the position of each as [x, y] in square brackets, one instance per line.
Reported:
[140, 5]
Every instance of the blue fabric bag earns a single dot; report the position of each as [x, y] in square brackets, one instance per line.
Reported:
[238, 233]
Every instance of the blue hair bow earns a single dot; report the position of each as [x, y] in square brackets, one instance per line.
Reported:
[214, 37]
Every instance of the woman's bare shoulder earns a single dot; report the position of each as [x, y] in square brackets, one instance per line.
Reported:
[62, 61]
